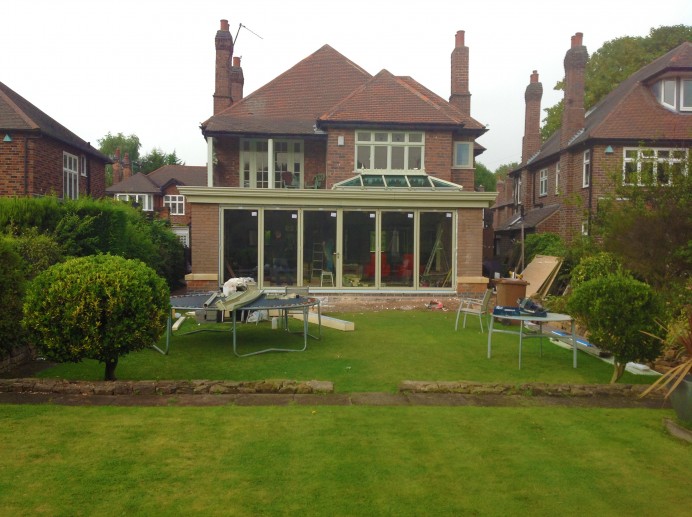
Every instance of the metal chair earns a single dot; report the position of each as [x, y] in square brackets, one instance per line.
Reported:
[317, 181]
[474, 306]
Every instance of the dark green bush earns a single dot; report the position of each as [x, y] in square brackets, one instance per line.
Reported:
[617, 310]
[11, 283]
[38, 251]
[98, 307]
[543, 244]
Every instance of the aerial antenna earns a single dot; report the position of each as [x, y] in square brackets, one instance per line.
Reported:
[241, 26]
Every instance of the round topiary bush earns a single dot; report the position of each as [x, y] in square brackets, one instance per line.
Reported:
[617, 310]
[97, 307]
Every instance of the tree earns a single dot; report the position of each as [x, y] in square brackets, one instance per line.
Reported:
[156, 159]
[648, 228]
[484, 178]
[11, 288]
[127, 144]
[614, 62]
[98, 307]
[618, 312]
[503, 170]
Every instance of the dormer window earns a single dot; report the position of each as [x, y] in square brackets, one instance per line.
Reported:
[674, 93]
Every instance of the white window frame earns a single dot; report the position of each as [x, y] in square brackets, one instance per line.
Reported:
[543, 182]
[557, 178]
[374, 143]
[662, 98]
[254, 161]
[83, 165]
[70, 176]
[586, 169]
[685, 103]
[143, 200]
[517, 191]
[175, 204]
[639, 156]
[458, 163]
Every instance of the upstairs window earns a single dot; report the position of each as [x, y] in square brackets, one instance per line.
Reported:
[70, 176]
[517, 191]
[543, 182]
[142, 200]
[557, 178]
[385, 151]
[674, 93]
[586, 172]
[463, 156]
[653, 166]
[175, 204]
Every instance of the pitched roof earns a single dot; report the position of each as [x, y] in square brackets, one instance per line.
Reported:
[18, 114]
[389, 99]
[531, 219]
[155, 181]
[292, 102]
[631, 111]
[327, 88]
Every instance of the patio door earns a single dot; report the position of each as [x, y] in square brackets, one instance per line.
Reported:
[320, 257]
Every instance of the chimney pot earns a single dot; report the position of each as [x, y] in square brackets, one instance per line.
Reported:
[224, 25]
[577, 39]
[236, 61]
[459, 40]
[534, 76]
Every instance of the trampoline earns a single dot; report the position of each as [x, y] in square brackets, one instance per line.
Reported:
[246, 302]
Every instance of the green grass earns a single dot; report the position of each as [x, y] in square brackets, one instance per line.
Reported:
[337, 461]
[386, 348]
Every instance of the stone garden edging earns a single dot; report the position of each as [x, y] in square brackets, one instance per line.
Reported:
[283, 386]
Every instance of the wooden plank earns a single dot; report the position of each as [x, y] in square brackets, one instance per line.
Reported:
[538, 271]
[328, 321]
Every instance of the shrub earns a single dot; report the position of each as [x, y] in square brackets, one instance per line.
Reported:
[98, 307]
[543, 244]
[595, 266]
[38, 251]
[617, 310]
[11, 283]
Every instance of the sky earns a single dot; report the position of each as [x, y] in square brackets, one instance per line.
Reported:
[147, 67]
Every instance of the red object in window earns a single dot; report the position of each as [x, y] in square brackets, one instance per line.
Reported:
[406, 267]
[385, 268]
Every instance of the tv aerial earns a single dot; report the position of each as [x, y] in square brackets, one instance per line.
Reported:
[241, 26]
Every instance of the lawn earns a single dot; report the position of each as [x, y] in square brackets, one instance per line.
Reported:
[386, 348]
[334, 461]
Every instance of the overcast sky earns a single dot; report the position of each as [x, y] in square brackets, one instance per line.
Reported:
[147, 67]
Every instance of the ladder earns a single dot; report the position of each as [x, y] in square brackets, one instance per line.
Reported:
[437, 251]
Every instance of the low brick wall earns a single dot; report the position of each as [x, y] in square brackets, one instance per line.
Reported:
[530, 389]
[32, 385]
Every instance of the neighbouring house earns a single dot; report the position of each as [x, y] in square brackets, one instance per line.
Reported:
[39, 156]
[333, 178]
[157, 192]
[643, 128]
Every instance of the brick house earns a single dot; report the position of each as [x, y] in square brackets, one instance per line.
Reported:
[333, 178]
[157, 192]
[39, 156]
[644, 126]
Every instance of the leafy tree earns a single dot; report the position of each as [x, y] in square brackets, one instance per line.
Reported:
[618, 311]
[614, 62]
[484, 178]
[503, 170]
[650, 232]
[156, 159]
[127, 144]
[98, 307]
[543, 244]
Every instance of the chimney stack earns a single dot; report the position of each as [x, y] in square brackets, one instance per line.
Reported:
[237, 81]
[531, 142]
[460, 96]
[224, 53]
[574, 112]
[117, 167]
[127, 167]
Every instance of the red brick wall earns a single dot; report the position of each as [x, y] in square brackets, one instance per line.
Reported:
[44, 168]
[470, 242]
[205, 238]
[172, 190]
[315, 154]
[227, 166]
